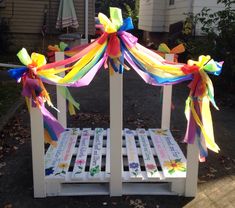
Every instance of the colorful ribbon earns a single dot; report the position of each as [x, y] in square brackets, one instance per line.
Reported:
[34, 89]
[118, 50]
[163, 49]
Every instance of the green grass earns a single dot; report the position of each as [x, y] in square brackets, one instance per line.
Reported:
[10, 93]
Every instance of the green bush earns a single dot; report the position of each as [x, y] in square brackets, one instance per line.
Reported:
[129, 8]
[218, 40]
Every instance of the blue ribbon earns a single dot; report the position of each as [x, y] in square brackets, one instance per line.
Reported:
[127, 25]
[17, 73]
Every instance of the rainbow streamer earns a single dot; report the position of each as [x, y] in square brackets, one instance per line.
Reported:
[119, 50]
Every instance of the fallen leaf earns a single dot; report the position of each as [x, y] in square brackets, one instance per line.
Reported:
[2, 164]
[210, 175]
[8, 206]
[227, 168]
[201, 181]
[15, 148]
[132, 202]
[213, 170]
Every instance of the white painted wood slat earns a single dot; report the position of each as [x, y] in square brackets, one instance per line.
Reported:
[174, 153]
[95, 164]
[80, 161]
[54, 154]
[149, 162]
[51, 151]
[107, 165]
[64, 163]
[132, 155]
[170, 156]
[175, 150]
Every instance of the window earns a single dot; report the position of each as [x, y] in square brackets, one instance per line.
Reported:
[171, 2]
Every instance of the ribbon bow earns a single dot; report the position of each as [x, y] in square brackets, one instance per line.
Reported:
[163, 49]
[32, 84]
[33, 88]
[116, 45]
[56, 48]
[114, 30]
[197, 109]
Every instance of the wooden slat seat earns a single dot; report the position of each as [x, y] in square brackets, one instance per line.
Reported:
[151, 156]
[171, 158]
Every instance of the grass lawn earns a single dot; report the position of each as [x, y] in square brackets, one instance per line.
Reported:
[10, 93]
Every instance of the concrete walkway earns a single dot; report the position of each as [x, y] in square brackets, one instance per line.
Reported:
[142, 108]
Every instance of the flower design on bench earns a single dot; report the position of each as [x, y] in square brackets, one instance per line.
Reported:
[62, 166]
[80, 165]
[94, 170]
[175, 165]
[151, 168]
[49, 171]
[134, 168]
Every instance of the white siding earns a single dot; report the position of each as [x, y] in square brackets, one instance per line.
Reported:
[198, 5]
[26, 19]
[175, 13]
[26, 16]
[152, 15]
[158, 15]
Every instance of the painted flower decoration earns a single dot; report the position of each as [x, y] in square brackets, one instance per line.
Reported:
[63, 165]
[133, 165]
[175, 165]
[94, 170]
[80, 162]
[151, 166]
[80, 167]
[49, 171]
[134, 168]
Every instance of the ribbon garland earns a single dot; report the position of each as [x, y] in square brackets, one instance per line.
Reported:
[112, 49]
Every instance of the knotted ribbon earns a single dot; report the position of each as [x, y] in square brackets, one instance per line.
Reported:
[118, 49]
[33, 88]
[164, 49]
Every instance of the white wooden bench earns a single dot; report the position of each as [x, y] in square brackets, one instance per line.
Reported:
[112, 161]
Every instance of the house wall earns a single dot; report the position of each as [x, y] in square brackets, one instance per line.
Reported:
[25, 19]
[198, 5]
[152, 15]
[175, 13]
[158, 15]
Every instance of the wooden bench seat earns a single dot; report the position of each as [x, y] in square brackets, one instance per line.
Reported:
[84, 156]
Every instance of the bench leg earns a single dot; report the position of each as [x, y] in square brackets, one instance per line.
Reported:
[192, 170]
[178, 186]
[53, 188]
[116, 81]
[37, 140]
